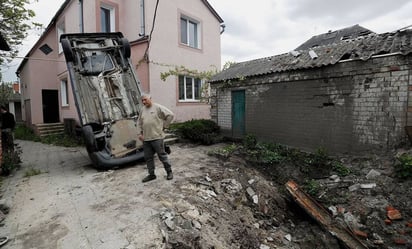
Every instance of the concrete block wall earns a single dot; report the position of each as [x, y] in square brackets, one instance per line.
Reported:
[349, 107]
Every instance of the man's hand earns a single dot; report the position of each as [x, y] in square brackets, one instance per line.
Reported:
[141, 137]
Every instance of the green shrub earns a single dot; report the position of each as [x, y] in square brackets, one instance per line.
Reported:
[23, 132]
[11, 161]
[198, 131]
[312, 187]
[403, 168]
[63, 140]
[32, 172]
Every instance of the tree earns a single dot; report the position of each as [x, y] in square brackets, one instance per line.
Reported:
[6, 92]
[14, 25]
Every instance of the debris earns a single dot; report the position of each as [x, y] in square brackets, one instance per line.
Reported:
[372, 174]
[263, 246]
[368, 185]
[354, 187]
[321, 215]
[360, 234]
[288, 237]
[393, 214]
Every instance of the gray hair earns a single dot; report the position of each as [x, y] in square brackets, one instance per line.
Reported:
[147, 95]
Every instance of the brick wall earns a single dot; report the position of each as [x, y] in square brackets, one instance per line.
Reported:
[350, 107]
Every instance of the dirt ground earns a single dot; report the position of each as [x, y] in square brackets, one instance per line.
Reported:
[213, 202]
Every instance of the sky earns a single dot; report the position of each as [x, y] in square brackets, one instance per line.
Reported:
[261, 28]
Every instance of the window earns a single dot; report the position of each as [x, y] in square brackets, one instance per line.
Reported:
[189, 32]
[107, 19]
[189, 88]
[64, 92]
[60, 30]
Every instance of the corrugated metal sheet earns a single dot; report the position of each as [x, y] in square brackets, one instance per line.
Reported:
[362, 48]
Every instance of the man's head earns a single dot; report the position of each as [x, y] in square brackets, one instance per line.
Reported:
[146, 100]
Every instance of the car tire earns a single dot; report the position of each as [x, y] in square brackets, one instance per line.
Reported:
[125, 47]
[67, 50]
[89, 139]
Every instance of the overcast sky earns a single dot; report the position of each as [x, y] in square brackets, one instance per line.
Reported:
[261, 28]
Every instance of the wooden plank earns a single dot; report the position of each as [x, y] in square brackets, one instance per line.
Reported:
[322, 216]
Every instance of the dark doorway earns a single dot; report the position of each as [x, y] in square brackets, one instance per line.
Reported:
[238, 114]
[50, 100]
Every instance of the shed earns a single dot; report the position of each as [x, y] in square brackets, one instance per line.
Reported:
[347, 97]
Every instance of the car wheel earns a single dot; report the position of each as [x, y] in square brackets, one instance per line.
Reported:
[67, 50]
[125, 47]
[89, 139]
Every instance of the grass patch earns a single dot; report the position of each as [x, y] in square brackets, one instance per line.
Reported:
[23, 132]
[32, 172]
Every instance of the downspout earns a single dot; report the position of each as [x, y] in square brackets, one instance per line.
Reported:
[142, 19]
[81, 16]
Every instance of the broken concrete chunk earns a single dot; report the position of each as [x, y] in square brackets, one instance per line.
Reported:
[367, 185]
[196, 224]
[373, 174]
[263, 246]
[207, 178]
[354, 187]
[250, 192]
[170, 224]
[288, 237]
[251, 181]
[255, 199]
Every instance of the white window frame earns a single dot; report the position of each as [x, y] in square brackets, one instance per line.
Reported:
[111, 10]
[189, 80]
[189, 32]
[61, 29]
[64, 92]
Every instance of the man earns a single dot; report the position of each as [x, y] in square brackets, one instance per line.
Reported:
[153, 119]
[7, 127]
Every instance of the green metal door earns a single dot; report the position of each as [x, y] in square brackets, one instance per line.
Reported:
[238, 113]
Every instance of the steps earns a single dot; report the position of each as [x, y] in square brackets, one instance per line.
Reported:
[49, 129]
[170, 139]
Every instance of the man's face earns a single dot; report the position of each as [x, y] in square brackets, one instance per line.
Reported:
[146, 101]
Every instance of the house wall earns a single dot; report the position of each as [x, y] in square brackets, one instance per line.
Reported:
[165, 49]
[350, 107]
[166, 53]
[39, 73]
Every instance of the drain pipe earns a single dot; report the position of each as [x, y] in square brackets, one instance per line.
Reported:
[81, 16]
[142, 19]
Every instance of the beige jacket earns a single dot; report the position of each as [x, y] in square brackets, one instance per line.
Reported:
[153, 120]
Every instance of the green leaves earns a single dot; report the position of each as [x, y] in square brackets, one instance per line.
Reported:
[14, 25]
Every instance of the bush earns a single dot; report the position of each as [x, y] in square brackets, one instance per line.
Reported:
[11, 161]
[23, 132]
[403, 168]
[198, 131]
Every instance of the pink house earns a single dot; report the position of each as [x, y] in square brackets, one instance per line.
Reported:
[164, 36]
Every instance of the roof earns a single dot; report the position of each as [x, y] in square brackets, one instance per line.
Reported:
[46, 31]
[213, 11]
[335, 36]
[362, 48]
[3, 44]
[63, 6]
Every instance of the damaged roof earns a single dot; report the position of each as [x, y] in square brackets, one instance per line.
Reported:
[352, 32]
[362, 48]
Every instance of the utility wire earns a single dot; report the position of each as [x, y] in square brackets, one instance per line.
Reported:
[146, 55]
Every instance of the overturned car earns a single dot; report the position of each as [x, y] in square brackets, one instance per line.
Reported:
[107, 96]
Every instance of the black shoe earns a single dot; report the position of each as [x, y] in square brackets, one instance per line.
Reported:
[169, 176]
[149, 178]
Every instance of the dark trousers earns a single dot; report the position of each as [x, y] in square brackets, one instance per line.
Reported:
[152, 147]
[7, 142]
